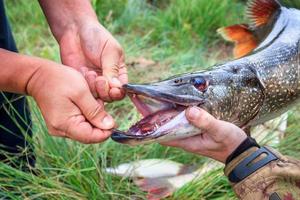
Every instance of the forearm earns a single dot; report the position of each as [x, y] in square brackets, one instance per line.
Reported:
[63, 15]
[16, 71]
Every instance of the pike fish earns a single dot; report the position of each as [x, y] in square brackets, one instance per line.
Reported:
[261, 83]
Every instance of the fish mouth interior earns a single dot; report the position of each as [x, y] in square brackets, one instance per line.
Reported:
[156, 113]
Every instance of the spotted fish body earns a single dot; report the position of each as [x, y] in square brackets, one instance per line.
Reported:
[276, 65]
[260, 84]
[272, 71]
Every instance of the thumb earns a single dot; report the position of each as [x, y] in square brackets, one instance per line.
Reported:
[112, 59]
[203, 120]
[94, 112]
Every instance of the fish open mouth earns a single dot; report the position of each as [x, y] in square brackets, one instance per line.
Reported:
[156, 113]
[162, 107]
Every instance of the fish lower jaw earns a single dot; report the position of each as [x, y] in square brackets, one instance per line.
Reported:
[156, 114]
[151, 123]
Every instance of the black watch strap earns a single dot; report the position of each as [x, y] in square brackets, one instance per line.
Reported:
[246, 167]
[244, 146]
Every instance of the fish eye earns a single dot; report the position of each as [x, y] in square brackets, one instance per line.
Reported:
[200, 83]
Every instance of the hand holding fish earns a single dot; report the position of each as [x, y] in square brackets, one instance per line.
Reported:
[99, 57]
[69, 110]
[218, 139]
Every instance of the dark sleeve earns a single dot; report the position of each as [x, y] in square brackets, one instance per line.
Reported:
[6, 38]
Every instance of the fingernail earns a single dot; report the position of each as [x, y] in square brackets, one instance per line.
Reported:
[193, 113]
[108, 121]
[116, 82]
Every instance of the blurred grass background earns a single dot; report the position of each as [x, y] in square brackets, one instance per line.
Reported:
[174, 36]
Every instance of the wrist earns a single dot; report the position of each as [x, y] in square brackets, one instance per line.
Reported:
[228, 147]
[67, 15]
[244, 146]
[33, 83]
[16, 71]
[38, 77]
[75, 26]
[221, 154]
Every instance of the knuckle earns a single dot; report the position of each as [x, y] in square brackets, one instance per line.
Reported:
[56, 127]
[115, 68]
[53, 125]
[95, 111]
[52, 131]
[205, 121]
[192, 148]
[56, 132]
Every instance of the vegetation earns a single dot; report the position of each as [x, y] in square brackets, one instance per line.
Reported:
[177, 36]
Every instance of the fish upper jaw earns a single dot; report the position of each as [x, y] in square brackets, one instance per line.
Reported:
[185, 94]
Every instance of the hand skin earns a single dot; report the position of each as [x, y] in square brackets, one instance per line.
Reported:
[62, 94]
[87, 46]
[217, 140]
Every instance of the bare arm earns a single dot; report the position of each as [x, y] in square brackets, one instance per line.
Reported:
[64, 15]
[16, 71]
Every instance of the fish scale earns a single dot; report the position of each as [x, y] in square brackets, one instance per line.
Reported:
[281, 79]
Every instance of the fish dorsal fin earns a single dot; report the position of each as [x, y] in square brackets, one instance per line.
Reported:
[244, 38]
[260, 12]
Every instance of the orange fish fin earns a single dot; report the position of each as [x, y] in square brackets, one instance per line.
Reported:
[261, 12]
[244, 39]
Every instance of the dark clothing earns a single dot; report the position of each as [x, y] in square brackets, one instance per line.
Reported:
[15, 121]
[6, 38]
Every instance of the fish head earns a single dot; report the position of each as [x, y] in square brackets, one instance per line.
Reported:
[163, 105]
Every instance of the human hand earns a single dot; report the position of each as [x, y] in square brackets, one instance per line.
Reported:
[88, 47]
[67, 105]
[217, 140]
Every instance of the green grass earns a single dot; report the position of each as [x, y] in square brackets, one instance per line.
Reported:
[179, 35]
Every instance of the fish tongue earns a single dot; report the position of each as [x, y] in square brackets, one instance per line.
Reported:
[155, 120]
